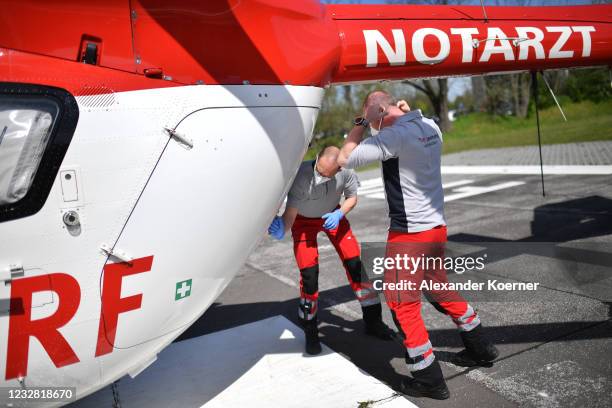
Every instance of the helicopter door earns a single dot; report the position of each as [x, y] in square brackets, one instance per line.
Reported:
[207, 204]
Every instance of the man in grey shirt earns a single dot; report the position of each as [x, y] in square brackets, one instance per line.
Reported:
[410, 147]
[313, 206]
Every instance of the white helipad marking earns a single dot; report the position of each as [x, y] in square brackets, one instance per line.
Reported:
[286, 335]
[457, 183]
[470, 191]
[259, 364]
[529, 170]
[371, 182]
[375, 188]
[379, 196]
[372, 187]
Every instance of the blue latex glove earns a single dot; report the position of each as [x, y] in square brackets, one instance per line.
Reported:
[332, 219]
[277, 228]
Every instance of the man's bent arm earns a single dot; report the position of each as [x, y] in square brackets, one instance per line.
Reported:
[348, 205]
[289, 217]
[352, 141]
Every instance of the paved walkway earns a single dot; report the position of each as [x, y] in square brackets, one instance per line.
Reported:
[588, 153]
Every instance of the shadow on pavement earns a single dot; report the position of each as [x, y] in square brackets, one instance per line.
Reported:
[559, 222]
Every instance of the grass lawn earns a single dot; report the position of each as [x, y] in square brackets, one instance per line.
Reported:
[586, 121]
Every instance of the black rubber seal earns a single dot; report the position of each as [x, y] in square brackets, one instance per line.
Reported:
[59, 140]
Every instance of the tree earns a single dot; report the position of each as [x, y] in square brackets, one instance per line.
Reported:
[498, 95]
[333, 118]
[479, 90]
[437, 92]
[588, 84]
[520, 85]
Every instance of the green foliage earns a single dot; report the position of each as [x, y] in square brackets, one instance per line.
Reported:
[577, 85]
[587, 121]
[584, 94]
[341, 104]
[332, 118]
[589, 84]
[318, 144]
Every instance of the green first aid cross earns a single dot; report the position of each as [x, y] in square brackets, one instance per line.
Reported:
[183, 289]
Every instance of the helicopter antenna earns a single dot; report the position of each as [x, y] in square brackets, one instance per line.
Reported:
[534, 83]
[484, 11]
[554, 96]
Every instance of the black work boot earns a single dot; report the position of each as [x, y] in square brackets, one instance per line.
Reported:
[479, 351]
[311, 333]
[374, 326]
[428, 382]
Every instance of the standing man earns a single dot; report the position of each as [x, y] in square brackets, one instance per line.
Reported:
[313, 207]
[409, 147]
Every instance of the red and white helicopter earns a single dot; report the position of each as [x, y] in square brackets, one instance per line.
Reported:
[145, 145]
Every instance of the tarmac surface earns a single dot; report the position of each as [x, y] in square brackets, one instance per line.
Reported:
[555, 346]
[555, 343]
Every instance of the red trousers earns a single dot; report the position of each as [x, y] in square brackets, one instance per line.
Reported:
[306, 250]
[406, 305]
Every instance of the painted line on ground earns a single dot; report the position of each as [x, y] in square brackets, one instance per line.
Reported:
[457, 183]
[370, 182]
[375, 188]
[599, 170]
[471, 191]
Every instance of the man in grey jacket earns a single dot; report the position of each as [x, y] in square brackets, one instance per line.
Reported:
[313, 206]
[410, 147]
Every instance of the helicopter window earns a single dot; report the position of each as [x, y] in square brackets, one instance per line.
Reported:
[24, 133]
[36, 125]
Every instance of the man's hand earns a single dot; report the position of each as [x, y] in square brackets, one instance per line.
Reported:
[277, 228]
[332, 219]
[403, 106]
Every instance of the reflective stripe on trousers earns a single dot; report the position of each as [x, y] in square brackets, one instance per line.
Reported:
[406, 307]
[305, 246]
[468, 321]
[367, 295]
[307, 309]
[420, 357]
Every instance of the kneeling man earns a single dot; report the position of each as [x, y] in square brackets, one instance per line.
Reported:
[313, 206]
